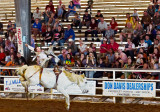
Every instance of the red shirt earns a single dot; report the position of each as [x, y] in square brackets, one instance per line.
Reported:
[93, 25]
[52, 8]
[102, 48]
[2, 56]
[113, 25]
[114, 46]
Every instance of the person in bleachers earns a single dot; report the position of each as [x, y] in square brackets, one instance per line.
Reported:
[2, 56]
[129, 19]
[110, 58]
[118, 62]
[90, 50]
[154, 45]
[93, 46]
[113, 45]
[90, 62]
[10, 62]
[69, 61]
[92, 30]
[71, 10]
[33, 41]
[90, 5]
[69, 34]
[1, 28]
[50, 23]
[77, 3]
[2, 42]
[148, 41]
[71, 45]
[59, 11]
[146, 20]
[36, 28]
[129, 48]
[51, 6]
[48, 36]
[82, 47]
[101, 64]
[128, 65]
[12, 38]
[156, 19]
[56, 24]
[151, 10]
[103, 48]
[142, 44]
[47, 14]
[64, 12]
[9, 45]
[126, 33]
[102, 27]
[43, 29]
[153, 65]
[62, 56]
[76, 21]
[123, 56]
[98, 16]
[37, 14]
[20, 60]
[114, 25]
[9, 26]
[109, 32]
[135, 13]
[86, 19]
[57, 35]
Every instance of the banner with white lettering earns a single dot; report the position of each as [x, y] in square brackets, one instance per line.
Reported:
[19, 40]
[14, 85]
[74, 89]
[129, 89]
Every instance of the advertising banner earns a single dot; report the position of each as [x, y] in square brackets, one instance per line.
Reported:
[129, 89]
[19, 40]
[74, 89]
[14, 85]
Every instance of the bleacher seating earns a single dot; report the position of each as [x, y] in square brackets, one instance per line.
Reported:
[109, 8]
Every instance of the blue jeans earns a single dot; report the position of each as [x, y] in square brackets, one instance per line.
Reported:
[61, 42]
[69, 14]
[89, 74]
[78, 6]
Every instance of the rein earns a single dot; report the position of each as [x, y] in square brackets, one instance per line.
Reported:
[34, 73]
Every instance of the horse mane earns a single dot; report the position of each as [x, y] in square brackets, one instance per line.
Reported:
[74, 77]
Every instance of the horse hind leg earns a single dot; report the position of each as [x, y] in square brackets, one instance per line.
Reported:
[66, 96]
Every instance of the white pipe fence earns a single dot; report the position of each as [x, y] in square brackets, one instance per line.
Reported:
[114, 70]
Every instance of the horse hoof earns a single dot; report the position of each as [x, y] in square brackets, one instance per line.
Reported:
[67, 107]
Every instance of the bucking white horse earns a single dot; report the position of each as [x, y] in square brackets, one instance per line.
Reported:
[32, 75]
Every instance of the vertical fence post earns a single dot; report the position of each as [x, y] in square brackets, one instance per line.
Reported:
[51, 93]
[114, 77]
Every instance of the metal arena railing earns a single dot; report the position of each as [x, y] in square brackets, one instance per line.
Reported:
[99, 80]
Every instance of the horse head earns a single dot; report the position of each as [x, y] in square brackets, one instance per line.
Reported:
[20, 70]
[83, 84]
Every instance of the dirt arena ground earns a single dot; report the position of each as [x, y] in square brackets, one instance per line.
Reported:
[7, 105]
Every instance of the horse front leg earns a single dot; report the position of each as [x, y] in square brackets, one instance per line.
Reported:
[25, 85]
[60, 89]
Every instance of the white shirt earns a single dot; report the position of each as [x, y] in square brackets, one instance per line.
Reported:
[7, 58]
[82, 48]
[102, 26]
[145, 45]
[42, 56]
[37, 15]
